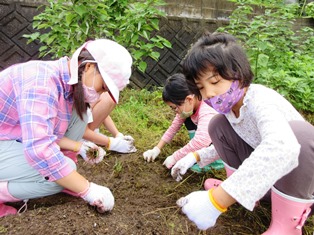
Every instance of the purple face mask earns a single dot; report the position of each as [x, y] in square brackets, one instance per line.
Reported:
[223, 103]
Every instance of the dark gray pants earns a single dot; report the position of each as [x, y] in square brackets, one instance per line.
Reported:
[233, 150]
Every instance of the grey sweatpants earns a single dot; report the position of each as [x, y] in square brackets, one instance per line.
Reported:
[24, 182]
[233, 150]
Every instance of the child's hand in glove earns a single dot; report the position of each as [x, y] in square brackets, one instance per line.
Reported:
[125, 137]
[99, 196]
[87, 146]
[182, 166]
[169, 162]
[201, 208]
[151, 154]
[121, 145]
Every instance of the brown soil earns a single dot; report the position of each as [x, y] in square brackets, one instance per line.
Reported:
[145, 196]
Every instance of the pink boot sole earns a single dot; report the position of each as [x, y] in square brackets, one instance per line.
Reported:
[7, 210]
[211, 183]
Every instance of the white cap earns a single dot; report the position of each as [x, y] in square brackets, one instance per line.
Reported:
[114, 63]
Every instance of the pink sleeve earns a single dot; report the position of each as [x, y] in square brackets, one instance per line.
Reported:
[173, 129]
[201, 139]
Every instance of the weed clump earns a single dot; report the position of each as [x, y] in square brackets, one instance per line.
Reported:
[92, 153]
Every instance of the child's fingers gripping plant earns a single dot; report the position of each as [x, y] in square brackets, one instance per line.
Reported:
[92, 153]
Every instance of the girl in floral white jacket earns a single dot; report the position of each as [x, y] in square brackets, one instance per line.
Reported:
[260, 136]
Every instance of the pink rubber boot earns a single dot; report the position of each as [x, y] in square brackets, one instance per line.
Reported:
[5, 196]
[288, 214]
[211, 182]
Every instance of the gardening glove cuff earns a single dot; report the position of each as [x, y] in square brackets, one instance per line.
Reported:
[151, 154]
[201, 208]
[181, 167]
[99, 196]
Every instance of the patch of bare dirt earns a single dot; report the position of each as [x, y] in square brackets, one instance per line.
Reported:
[145, 196]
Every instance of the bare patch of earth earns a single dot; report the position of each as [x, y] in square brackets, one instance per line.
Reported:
[145, 203]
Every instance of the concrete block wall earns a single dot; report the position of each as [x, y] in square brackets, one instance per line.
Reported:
[199, 9]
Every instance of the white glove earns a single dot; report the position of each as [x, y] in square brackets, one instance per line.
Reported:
[169, 162]
[119, 135]
[151, 154]
[125, 137]
[99, 196]
[199, 209]
[87, 146]
[182, 166]
[121, 145]
[128, 138]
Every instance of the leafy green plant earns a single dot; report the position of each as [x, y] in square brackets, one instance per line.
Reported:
[309, 10]
[280, 54]
[306, 9]
[64, 25]
[117, 168]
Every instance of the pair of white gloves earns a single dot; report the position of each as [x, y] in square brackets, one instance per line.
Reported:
[179, 168]
[121, 143]
[97, 195]
[151, 154]
[197, 205]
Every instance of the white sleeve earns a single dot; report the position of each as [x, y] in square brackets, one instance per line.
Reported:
[207, 155]
[89, 115]
[275, 156]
